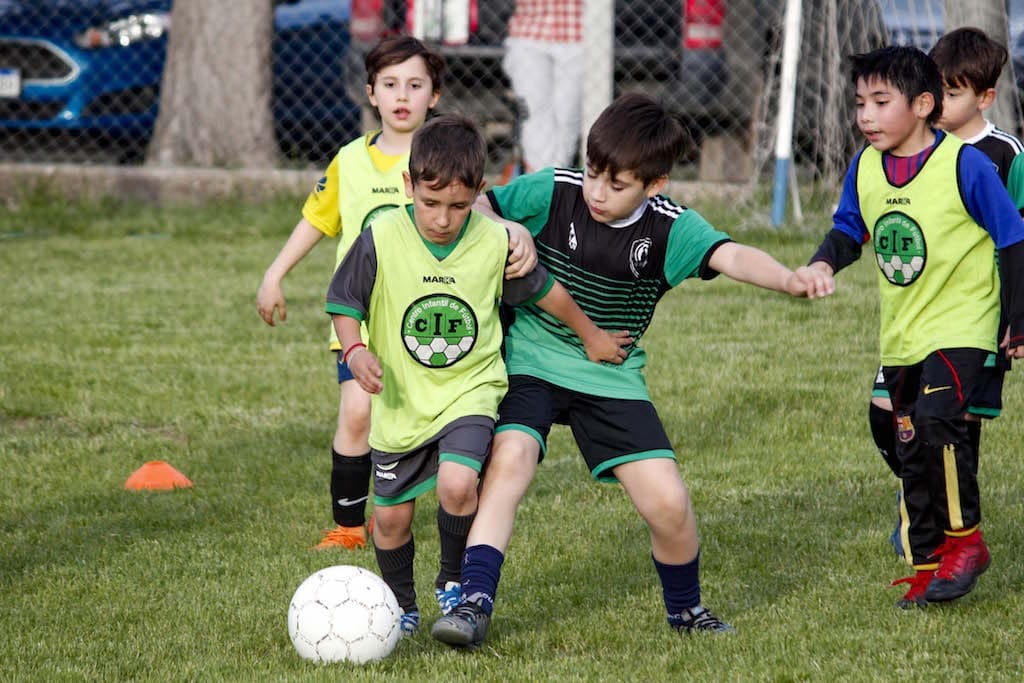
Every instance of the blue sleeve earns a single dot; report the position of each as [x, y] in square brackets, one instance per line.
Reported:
[986, 198]
[847, 217]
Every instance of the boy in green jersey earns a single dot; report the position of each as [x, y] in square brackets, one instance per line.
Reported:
[426, 279]
[618, 245]
[936, 213]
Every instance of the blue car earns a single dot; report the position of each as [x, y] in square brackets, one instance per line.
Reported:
[93, 68]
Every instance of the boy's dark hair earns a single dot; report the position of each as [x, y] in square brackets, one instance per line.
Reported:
[396, 50]
[447, 148]
[906, 68]
[635, 133]
[968, 58]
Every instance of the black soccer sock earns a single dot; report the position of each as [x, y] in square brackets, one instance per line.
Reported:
[350, 487]
[883, 430]
[680, 584]
[453, 531]
[396, 570]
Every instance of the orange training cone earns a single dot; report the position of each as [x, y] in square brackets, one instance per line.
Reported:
[157, 475]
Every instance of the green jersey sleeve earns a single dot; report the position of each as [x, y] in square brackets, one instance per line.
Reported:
[526, 200]
[1015, 181]
[689, 242]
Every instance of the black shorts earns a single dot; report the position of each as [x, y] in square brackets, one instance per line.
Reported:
[401, 477]
[608, 431]
[879, 389]
[987, 398]
[940, 386]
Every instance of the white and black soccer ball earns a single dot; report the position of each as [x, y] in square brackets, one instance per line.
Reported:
[344, 614]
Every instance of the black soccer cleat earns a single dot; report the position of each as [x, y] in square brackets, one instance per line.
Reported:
[698, 619]
[464, 626]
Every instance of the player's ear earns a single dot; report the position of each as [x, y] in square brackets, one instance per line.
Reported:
[986, 98]
[656, 186]
[370, 96]
[408, 184]
[923, 105]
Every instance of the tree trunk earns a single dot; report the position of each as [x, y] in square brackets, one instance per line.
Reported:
[990, 16]
[215, 100]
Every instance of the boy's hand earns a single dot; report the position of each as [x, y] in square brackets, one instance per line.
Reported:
[1016, 351]
[522, 253]
[814, 281]
[607, 347]
[269, 297]
[365, 368]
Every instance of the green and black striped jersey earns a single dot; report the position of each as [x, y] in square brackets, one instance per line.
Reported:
[617, 272]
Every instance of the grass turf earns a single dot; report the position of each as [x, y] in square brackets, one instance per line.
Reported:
[130, 334]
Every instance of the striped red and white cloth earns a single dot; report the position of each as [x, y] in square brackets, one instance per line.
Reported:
[554, 21]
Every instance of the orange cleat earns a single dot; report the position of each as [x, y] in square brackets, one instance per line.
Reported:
[348, 537]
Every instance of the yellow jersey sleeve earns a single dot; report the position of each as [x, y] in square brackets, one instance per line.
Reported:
[321, 207]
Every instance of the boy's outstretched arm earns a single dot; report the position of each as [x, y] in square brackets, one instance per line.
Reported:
[599, 344]
[522, 252]
[270, 295]
[364, 366]
[751, 265]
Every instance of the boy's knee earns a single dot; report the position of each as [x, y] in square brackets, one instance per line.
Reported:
[354, 419]
[390, 522]
[457, 489]
[669, 510]
[514, 451]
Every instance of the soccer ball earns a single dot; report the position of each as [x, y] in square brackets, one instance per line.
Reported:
[344, 613]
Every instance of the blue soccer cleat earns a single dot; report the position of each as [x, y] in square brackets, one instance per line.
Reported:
[448, 597]
[410, 622]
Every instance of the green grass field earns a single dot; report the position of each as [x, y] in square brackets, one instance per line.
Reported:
[130, 334]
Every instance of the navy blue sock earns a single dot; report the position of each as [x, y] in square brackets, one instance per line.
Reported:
[481, 571]
[680, 584]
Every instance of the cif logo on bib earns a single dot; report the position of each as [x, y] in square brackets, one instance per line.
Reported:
[900, 248]
[438, 330]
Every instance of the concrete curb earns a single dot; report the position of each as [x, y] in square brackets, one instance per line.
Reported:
[173, 186]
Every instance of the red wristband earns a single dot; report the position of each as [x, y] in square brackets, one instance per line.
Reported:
[349, 350]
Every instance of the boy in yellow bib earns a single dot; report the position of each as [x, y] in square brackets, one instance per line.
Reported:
[936, 213]
[403, 81]
[426, 280]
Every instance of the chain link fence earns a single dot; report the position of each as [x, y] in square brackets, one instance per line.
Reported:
[80, 79]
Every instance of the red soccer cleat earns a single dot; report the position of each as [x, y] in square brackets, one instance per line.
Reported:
[962, 559]
[914, 597]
